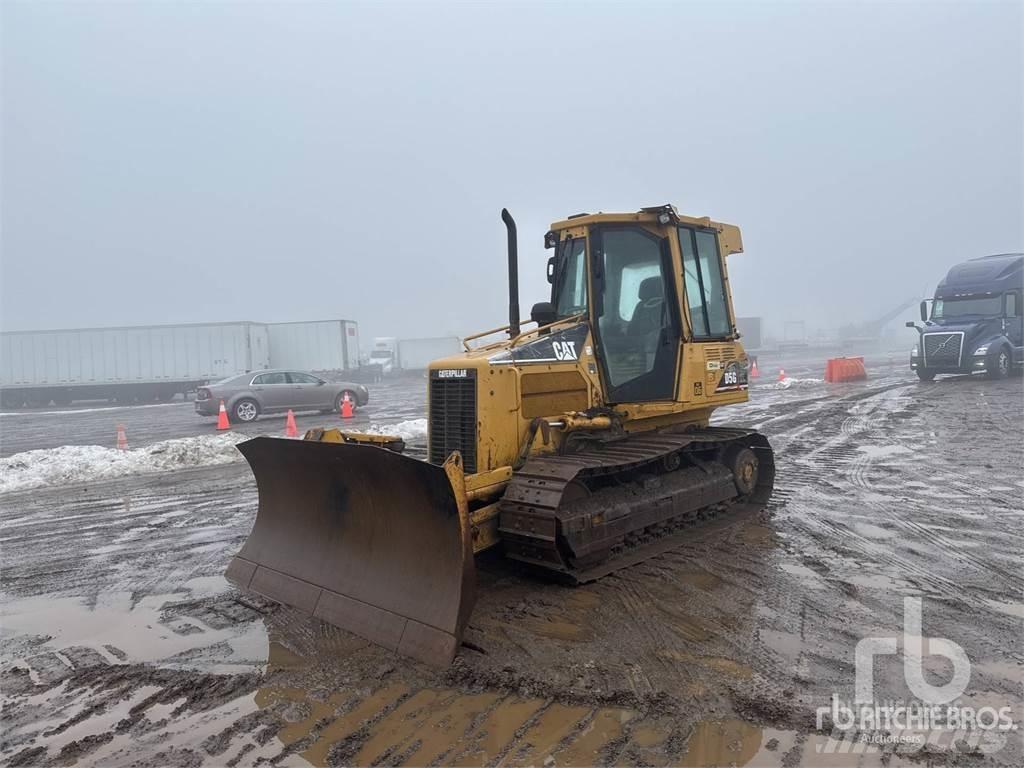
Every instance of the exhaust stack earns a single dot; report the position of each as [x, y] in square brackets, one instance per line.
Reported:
[513, 274]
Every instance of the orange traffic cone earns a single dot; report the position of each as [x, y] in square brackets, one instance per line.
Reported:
[782, 374]
[290, 430]
[222, 418]
[346, 408]
[754, 373]
[122, 438]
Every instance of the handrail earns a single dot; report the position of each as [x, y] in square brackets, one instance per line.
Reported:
[482, 334]
[515, 339]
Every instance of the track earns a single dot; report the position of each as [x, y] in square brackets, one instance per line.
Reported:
[589, 513]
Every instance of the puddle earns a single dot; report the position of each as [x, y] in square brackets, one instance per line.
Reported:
[736, 743]
[808, 576]
[553, 725]
[496, 732]
[398, 726]
[122, 629]
[874, 581]
[883, 451]
[603, 729]
[872, 531]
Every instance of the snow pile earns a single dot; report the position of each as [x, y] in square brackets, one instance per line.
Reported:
[88, 463]
[413, 429]
[787, 382]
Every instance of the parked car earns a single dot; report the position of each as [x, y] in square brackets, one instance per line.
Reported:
[248, 395]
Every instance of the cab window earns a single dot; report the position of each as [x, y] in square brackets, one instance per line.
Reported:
[705, 288]
[637, 327]
[570, 288]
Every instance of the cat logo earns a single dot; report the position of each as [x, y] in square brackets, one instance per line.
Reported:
[564, 350]
[698, 389]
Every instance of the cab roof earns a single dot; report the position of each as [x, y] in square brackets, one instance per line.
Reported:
[729, 234]
[985, 274]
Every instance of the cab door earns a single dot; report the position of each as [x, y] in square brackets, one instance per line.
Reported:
[635, 313]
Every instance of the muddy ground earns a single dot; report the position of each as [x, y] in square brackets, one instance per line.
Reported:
[122, 644]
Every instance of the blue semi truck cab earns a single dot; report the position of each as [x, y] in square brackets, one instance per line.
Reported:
[975, 323]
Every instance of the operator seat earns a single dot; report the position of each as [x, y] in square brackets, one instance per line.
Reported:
[649, 315]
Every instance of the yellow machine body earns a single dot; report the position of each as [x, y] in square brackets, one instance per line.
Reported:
[639, 336]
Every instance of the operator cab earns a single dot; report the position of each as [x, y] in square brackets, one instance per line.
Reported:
[626, 274]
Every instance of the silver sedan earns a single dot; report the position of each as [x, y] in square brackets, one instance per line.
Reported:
[247, 395]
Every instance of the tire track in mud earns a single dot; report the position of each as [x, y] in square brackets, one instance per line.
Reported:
[128, 534]
[839, 457]
[758, 621]
[892, 487]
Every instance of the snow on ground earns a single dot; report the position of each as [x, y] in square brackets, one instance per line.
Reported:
[85, 463]
[88, 463]
[413, 429]
[787, 382]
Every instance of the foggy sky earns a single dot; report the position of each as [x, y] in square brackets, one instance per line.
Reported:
[194, 162]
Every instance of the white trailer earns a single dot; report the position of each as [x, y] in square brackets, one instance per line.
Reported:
[417, 354]
[126, 364]
[321, 345]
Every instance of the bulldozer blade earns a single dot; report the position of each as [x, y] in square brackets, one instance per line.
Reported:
[363, 538]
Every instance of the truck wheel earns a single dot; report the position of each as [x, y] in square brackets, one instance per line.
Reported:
[924, 375]
[245, 411]
[1000, 367]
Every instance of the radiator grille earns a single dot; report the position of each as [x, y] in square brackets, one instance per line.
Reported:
[453, 416]
[942, 348]
[721, 352]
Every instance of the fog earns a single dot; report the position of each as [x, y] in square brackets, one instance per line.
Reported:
[173, 162]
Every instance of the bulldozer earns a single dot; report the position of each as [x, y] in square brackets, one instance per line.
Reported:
[578, 445]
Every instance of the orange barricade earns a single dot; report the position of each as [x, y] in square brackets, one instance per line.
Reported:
[840, 369]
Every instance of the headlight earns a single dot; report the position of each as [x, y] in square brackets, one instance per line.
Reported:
[981, 350]
[913, 352]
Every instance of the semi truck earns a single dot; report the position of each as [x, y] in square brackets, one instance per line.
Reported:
[393, 355]
[126, 364]
[385, 354]
[974, 322]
